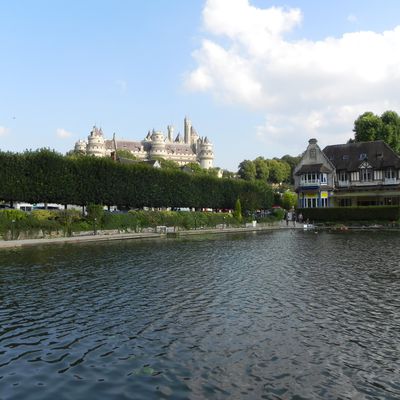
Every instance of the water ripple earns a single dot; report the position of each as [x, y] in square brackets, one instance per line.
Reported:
[280, 315]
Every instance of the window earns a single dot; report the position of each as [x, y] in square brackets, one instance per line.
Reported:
[310, 177]
[346, 157]
[390, 173]
[345, 202]
[363, 156]
[365, 174]
[324, 178]
[343, 176]
[313, 153]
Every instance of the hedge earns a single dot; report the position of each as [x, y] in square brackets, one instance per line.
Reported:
[343, 214]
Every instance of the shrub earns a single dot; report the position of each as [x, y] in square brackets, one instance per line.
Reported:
[344, 214]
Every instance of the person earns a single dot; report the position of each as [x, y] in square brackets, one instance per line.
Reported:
[301, 218]
[287, 218]
[294, 218]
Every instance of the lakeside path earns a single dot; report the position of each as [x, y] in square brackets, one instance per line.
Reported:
[7, 244]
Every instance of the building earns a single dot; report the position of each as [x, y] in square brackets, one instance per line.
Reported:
[183, 150]
[314, 178]
[352, 174]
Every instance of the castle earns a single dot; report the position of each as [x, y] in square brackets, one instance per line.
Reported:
[190, 148]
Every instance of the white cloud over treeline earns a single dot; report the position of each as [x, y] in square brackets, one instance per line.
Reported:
[306, 88]
[63, 133]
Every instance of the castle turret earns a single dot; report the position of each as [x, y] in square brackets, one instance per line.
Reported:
[80, 146]
[157, 144]
[96, 145]
[206, 153]
[170, 129]
[187, 131]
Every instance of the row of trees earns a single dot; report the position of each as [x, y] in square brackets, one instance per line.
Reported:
[46, 176]
[267, 170]
[369, 127]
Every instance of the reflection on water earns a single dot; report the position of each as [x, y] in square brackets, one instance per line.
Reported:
[278, 315]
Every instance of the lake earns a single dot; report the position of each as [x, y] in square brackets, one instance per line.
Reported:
[274, 315]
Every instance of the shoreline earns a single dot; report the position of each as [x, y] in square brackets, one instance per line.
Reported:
[8, 244]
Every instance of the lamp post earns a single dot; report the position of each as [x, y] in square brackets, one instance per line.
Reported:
[12, 229]
[94, 226]
[224, 223]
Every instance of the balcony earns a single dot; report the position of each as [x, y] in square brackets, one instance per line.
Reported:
[343, 183]
[315, 183]
[390, 181]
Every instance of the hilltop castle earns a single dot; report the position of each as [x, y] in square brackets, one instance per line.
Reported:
[190, 148]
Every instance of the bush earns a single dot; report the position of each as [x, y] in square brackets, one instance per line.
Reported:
[344, 214]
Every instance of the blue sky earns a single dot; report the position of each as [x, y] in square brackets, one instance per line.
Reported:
[259, 78]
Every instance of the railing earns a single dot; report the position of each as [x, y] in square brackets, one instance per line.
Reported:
[343, 183]
[390, 181]
[308, 183]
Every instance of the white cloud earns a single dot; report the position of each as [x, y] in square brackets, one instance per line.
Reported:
[63, 134]
[306, 88]
[3, 131]
[352, 18]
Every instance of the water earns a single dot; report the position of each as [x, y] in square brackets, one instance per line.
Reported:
[277, 315]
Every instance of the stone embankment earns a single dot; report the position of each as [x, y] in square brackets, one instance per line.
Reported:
[105, 236]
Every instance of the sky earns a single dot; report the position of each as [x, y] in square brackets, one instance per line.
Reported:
[257, 77]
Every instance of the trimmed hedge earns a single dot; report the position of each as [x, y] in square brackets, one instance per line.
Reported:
[49, 177]
[343, 214]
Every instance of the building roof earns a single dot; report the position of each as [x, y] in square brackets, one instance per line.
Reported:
[313, 168]
[349, 156]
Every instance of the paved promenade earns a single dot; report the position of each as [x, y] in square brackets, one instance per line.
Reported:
[4, 244]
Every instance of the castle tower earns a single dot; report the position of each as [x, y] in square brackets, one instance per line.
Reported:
[170, 129]
[187, 131]
[157, 144]
[80, 146]
[96, 145]
[206, 153]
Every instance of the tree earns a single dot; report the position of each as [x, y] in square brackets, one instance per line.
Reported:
[289, 200]
[391, 129]
[262, 170]
[279, 171]
[367, 127]
[237, 212]
[292, 161]
[247, 170]
[123, 153]
[168, 164]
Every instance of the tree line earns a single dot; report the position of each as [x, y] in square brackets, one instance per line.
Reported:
[268, 170]
[49, 177]
[369, 127]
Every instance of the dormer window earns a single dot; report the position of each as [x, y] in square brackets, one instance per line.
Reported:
[346, 157]
[363, 156]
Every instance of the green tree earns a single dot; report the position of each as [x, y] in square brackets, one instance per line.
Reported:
[391, 130]
[289, 200]
[124, 153]
[168, 164]
[292, 161]
[279, 171]
[247, 170]
[262, 170]
[367, 127]
[237, 212]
